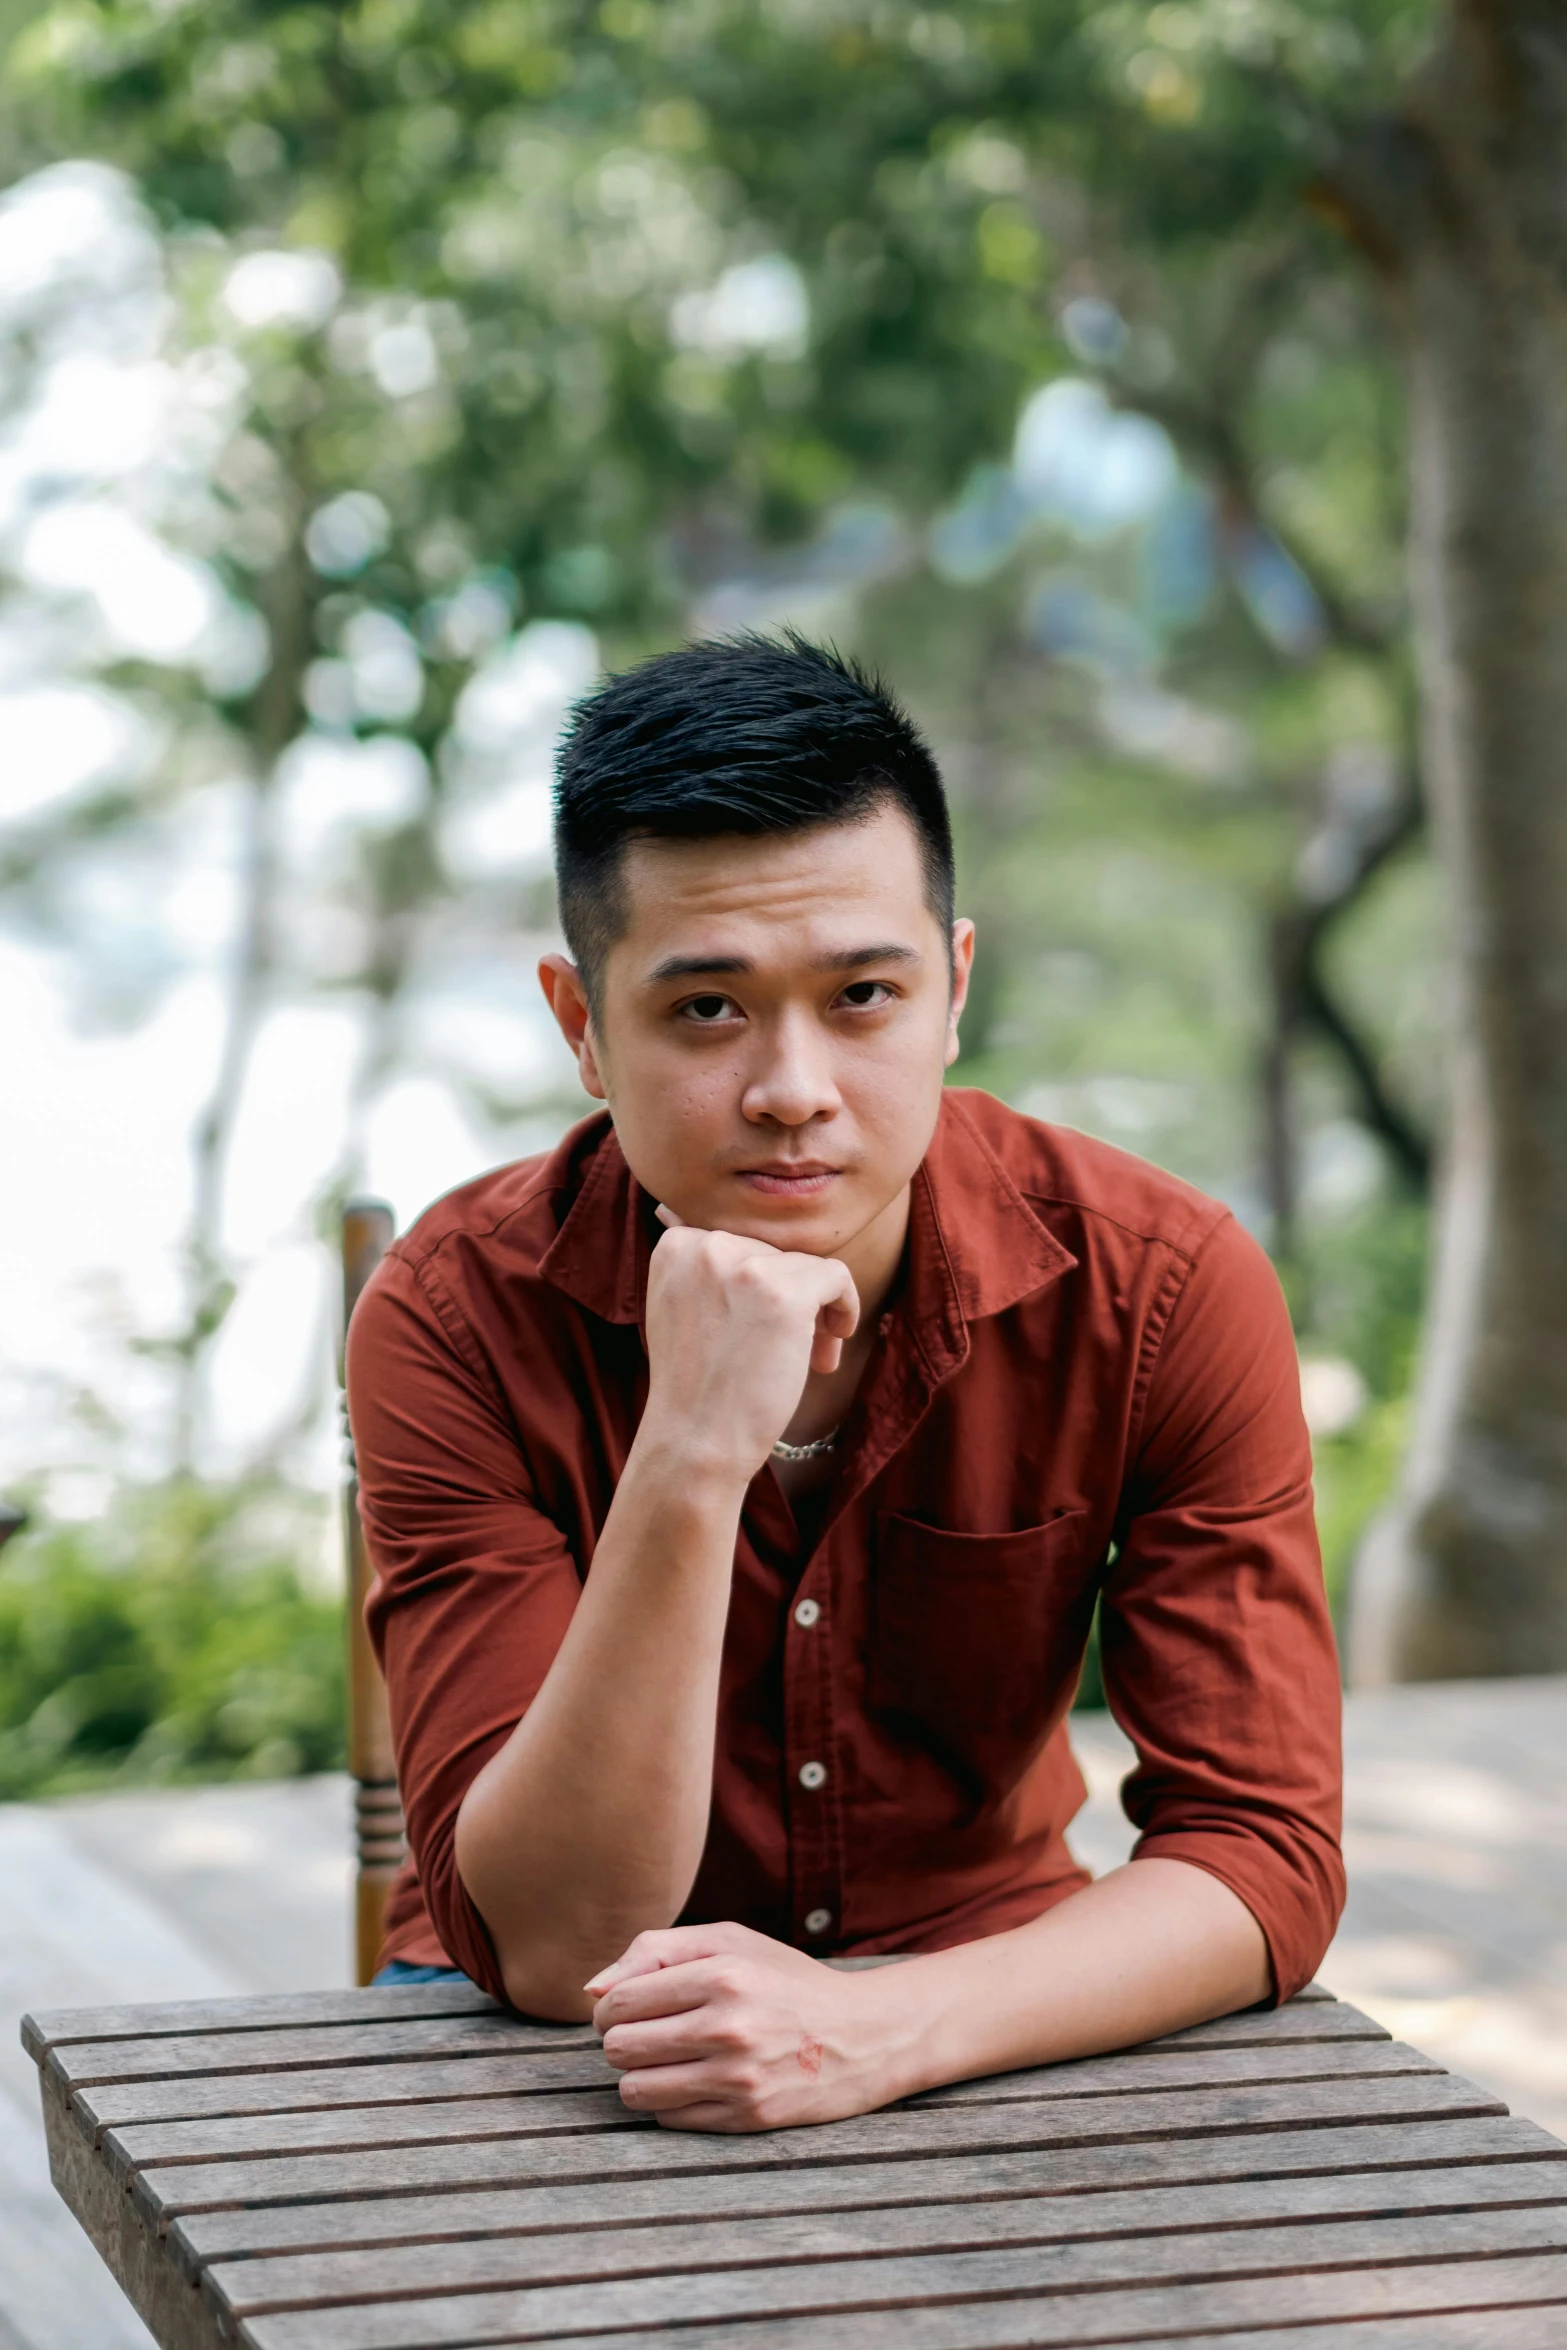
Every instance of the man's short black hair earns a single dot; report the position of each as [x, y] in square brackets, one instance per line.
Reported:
[739, 734]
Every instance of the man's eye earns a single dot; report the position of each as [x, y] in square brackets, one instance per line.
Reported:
[707, 1010]
[861, 994]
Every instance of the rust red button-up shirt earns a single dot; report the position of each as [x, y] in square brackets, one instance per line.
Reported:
[1085, 1386]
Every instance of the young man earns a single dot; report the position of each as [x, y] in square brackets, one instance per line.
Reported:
[741, 1477]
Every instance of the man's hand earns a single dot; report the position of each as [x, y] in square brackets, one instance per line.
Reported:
[733, 1329]
[719, 2028]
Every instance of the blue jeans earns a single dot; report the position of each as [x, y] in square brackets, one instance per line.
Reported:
[398, 1970]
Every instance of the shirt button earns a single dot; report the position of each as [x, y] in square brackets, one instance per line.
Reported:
[818, 1920]
[806, 1613]
[813, 1775]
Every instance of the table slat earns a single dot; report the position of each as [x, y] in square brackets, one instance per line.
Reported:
[1174, 2069]
[647, 2152]
[1332, 2019]
[581, 2111]
[1315, 2166]
[418, 2082]
[268, 2011]
[281, 2010]
[899, 2281]
[408, 2035]
[1062, 2121]
[405, 2040]
[1194, 2316]
[507, 2074]
[1474, 2329]
[243, 2288]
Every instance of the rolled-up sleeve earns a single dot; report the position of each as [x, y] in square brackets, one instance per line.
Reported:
[1218, 1651]
[475, 1586]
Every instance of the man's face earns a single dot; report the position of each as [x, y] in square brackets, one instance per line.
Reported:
[775, 1021]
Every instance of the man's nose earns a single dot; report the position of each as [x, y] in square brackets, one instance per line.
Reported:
[792, 1079]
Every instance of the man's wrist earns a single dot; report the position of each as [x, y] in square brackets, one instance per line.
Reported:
[690, 1463]
[892, 2011]
[934, 2014]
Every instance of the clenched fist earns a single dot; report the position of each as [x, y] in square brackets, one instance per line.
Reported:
[721, 2028]
[734, 1327]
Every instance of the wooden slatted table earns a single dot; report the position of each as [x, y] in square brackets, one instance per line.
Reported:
[401, 2169]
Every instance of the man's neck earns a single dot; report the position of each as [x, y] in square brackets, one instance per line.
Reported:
[875, 1253]
[872, 1257]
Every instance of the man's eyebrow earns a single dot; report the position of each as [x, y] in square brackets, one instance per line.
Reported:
[733, 966]
[697, 967]
[855, 958]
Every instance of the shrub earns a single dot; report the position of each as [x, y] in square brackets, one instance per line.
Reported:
[179, 1636]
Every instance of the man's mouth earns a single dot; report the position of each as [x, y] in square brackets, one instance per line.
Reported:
[789, 1178]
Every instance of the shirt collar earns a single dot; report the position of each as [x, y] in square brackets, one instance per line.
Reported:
[600, 1255]
[975, 1245]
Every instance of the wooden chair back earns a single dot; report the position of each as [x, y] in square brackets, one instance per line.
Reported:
[378, 1810]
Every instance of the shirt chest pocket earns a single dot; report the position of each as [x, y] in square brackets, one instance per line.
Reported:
[975, 1640]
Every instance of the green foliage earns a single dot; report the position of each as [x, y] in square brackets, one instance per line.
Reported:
[533, 198]
[173, 1639]
[1090, 1694]
[1355, 1475]
[1366, 1280]
[1151, 727]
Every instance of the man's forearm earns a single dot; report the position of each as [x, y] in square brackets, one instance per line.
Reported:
[1151, 1948]
[718, 2028]
[588, 1826]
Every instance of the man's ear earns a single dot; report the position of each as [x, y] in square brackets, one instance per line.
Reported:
[567, 997]
[962, 972]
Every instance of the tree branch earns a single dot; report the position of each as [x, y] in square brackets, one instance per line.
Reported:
[1305, 999]
[1377, 192]
[274, 718]
[1211, 433]
[1409, 1148]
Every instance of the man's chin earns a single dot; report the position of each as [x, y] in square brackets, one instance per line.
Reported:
[812, 1236]
[817, 1225]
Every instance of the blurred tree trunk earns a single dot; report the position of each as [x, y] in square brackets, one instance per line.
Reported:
[275, 715]
[1462, 202]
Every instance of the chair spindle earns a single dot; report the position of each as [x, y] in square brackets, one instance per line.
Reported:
[378, 1810]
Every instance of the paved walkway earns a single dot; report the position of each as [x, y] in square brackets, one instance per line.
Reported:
[192, 1894]
[1455, 1936]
